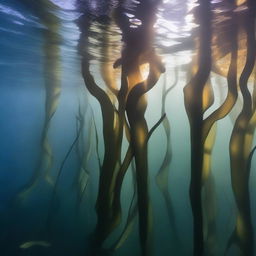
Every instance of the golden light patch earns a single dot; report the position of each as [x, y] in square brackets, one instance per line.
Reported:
[240, 2]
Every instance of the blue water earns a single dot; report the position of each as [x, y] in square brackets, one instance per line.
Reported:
[54, 220]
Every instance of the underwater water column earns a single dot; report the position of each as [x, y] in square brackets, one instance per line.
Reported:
[53, 90]
[45, 11]
[241, 143]
[162, 176]
[83, 152]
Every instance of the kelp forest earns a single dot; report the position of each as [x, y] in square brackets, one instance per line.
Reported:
[127, 127]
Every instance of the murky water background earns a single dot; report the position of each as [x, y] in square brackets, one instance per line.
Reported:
[51, 127]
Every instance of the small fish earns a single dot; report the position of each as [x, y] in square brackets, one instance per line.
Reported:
[29, 244]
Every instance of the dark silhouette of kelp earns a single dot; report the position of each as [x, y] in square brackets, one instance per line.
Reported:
[131, 101]
[194, 102]
[241, 143]
[194, 106]
[225, 32]
[113, 123]
[132, 57]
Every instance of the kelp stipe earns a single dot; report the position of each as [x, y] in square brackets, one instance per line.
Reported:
[142, 52]
[193, 93]
[139, 135]
[209, 196]
[108, 216]
[230, 100]
[241, 143]
[202, 126]
[131, 102]
[46, 12]
[210, 126]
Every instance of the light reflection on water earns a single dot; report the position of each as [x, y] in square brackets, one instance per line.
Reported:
[173, 26]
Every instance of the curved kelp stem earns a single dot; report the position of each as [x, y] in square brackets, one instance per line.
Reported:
[134, 55]
[209, 134]
[232, 94]
[106, 67]
[113, 122]
[195, 104]
[208, 186]
[193, 93]
[119, 180]
[45, 11]
[240, 146]
[108, 206]
[249, 162]
[162, 177]
[136, 107]
[104, 207]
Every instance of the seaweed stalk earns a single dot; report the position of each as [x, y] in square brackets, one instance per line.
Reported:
[209, 195]
[240, 146]
[193, 93]
[113, 122]
[44, 10]
[139, 132]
